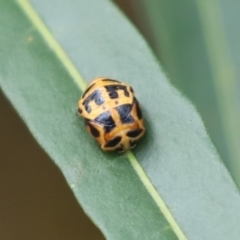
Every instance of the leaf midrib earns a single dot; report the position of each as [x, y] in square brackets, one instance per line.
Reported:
[78, 79]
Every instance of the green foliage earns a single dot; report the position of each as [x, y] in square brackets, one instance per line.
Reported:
[184, 175]
[198, 44]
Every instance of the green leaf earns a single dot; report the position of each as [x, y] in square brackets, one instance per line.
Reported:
[174, 185]
[198, 44]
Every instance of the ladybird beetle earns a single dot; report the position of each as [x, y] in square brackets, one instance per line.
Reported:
[112, 114]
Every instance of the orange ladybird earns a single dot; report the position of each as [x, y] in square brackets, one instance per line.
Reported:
[112, 114]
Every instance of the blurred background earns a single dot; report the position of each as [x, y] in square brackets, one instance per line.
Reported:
[197, 44]
[35, 202]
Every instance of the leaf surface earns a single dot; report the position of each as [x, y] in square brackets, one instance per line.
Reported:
[198, 44]
[174, 184]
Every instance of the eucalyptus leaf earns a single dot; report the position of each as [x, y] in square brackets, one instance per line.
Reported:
[173, 185]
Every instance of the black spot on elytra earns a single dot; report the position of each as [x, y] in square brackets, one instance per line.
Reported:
[94, 131]
[79, 110]
[113, 142]
[124, 113]
[113, 95]
[124, 110]
[131, 89]
[128, 119]
[94, 96]
[139, 112]
[126, 93]
[134, 133]
[88, 108]
[106, 120]
[99, 100]
[114, 88]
